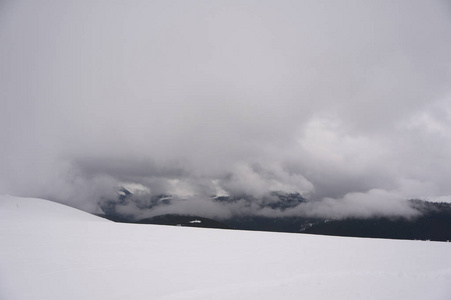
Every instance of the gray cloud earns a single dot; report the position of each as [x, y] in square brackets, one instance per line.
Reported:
[331, 100]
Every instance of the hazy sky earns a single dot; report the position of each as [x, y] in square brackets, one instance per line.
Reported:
[345, 102]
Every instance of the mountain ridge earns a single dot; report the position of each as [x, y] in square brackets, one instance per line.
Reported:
[432, 223]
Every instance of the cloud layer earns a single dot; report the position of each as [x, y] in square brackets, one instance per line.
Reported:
[331, 100]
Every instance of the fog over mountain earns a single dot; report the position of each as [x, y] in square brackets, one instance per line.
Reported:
[347, 103]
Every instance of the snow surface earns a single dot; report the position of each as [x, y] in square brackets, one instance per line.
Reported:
[51, 251]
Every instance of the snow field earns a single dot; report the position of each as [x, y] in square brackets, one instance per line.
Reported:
[50, 251]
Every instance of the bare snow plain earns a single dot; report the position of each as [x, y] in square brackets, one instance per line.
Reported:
[51, 251]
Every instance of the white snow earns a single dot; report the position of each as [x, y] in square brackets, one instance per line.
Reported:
[50, 251]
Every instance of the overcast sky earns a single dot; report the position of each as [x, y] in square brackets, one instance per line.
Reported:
[345, 102]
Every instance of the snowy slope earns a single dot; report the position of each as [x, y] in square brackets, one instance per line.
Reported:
[50, 251]
[32, 209]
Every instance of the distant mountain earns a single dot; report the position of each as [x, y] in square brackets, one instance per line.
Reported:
[276, 200]
[111, 207]
[434, 223]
